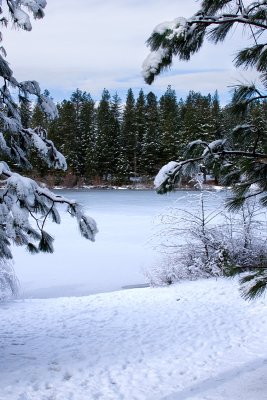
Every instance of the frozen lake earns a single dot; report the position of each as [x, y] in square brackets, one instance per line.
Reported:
[117, 258]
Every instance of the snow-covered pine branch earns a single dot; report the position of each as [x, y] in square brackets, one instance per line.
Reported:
[238, 159]
[25, 205]
[24, 209]
[183, 37]
[242, 154]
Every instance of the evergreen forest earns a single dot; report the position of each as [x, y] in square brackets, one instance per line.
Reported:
[111, 142]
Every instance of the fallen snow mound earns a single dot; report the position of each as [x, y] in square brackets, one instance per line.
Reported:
[195, 340]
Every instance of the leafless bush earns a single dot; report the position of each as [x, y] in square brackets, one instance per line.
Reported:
[203, 240]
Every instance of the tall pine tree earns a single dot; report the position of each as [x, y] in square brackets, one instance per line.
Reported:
[106, 148]
[169, 125]
[128, 138]
[140, 135]
[152, 144]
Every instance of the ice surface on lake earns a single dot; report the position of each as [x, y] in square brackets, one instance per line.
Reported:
[116, 259]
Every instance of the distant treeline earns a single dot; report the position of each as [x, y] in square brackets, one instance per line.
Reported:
[111, 142]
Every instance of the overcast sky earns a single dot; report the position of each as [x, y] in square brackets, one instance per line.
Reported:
[96, 44]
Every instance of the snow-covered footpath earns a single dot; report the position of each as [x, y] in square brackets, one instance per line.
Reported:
[195, 340]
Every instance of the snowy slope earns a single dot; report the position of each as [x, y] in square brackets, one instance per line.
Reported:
[196, 340]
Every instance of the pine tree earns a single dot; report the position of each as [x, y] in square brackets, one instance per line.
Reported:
[152, 145]
[66, 129]
[39, 117]
[74, 132]
[120, 169]
[106, 139]
[140, 123]
[123, 168]
[25, 110]
[24, 205]
[88, 136]
[216, 116]
[239, 158]
[198, 118]
[80, 134]
[128, 139]
[169, 125]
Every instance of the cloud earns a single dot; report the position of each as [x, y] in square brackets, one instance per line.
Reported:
[96, 44]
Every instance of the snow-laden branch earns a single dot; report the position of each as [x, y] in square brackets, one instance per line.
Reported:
[173, 172]
[183, 37]
[23, 202]
[25, 206]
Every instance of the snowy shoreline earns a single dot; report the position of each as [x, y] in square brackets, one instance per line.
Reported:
[137, 187]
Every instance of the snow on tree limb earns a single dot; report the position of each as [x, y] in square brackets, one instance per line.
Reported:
[25, 206]
[23, 203]
[164, 173]
[31, 87]
[239, 159]
[35, 6]
[152, 63]
[20, 17]
[183, 37]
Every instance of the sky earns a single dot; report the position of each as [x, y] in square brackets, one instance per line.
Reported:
[97, 44]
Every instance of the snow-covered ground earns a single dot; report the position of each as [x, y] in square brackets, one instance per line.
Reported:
[192, 341]
[195, 340]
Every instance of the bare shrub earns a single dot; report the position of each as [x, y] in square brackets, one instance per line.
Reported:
[203, 240]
